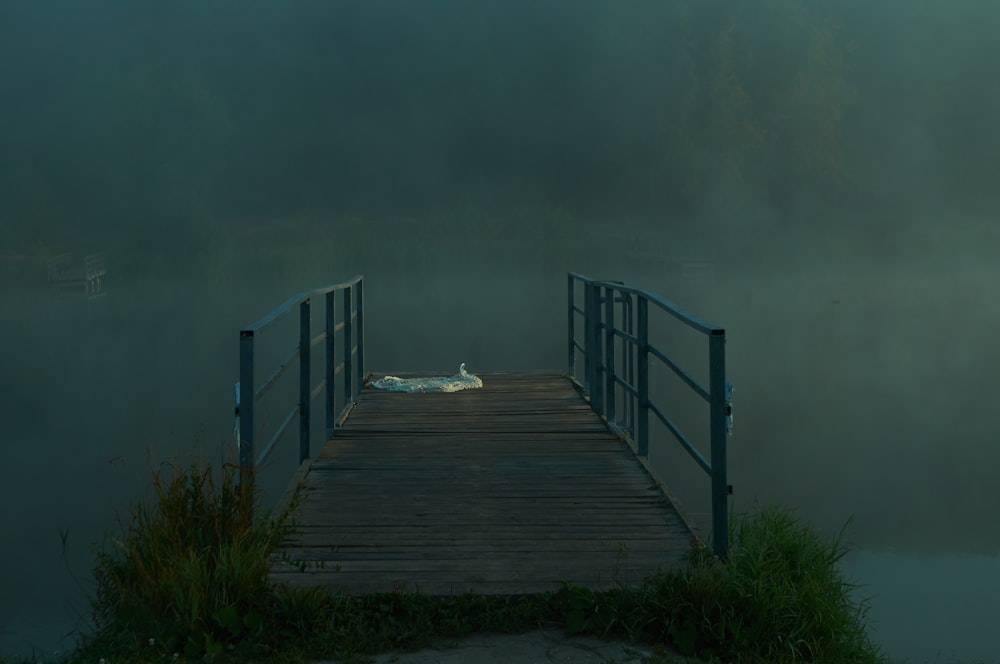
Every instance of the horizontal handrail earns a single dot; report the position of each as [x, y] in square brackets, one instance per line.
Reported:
[298, 299]
[352, 365]
[601, 379]
[671, 308]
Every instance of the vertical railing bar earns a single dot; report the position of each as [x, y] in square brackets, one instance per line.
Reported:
[630, 364]
[348, 347]
[635, 357]
[571, 366]
[588, 343]
[609, 354]
[248, 391]
[623, 359]
[622, 420]
[643, 367]
[621, 369]
[359, 334]
[331, 364]
[611, 375]
[619, 361]
[247, 396]
[597, 397]
[717, 416]
[305, 364]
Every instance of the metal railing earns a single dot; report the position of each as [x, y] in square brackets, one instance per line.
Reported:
[601, 380]
[248, 393]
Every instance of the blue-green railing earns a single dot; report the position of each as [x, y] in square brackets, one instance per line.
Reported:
[601, 380]
[351, 366]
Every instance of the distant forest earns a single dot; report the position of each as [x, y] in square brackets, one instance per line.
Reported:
[166, 118]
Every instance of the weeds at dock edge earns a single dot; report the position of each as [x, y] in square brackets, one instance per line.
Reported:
[189, 576]
[188, 580]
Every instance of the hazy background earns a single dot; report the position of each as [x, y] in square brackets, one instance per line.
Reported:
[835, 162]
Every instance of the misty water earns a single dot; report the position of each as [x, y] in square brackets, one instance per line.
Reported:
[930, 607]
[159, 388]
[818, 178]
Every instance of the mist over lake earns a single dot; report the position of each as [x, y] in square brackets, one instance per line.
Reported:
[463, 157]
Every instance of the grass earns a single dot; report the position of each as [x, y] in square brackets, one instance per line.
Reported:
[189, 575]
[779, 597]
[188, 580]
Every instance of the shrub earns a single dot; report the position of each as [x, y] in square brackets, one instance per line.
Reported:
[190, 572]
[780, 596]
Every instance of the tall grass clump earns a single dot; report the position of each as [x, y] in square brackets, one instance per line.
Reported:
[189, 573]
[189, 577]
[780, 596]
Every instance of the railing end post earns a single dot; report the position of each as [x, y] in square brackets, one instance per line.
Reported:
[718, 433]
[642, 362]
[305, 377]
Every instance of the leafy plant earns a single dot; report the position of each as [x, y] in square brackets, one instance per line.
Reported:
[190, 570]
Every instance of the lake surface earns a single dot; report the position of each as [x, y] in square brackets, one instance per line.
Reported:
[931, 608]
[92, 413]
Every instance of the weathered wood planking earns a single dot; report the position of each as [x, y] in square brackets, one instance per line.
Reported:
[513, 488]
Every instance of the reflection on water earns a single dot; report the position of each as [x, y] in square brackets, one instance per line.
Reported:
[933, 608]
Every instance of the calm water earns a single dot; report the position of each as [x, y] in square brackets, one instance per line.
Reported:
[940, 608]
[931, 609]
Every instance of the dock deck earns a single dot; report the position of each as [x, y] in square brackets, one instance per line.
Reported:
[513, 488]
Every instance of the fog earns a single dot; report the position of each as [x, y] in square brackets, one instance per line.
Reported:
[833, 164]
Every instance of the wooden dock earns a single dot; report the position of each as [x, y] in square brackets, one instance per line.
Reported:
[513, 488]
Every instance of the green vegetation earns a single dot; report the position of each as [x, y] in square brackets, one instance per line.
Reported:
[188, 578]
[780, 597]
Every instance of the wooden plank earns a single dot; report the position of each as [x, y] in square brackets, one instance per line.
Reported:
[459, 560]
[427, 532]
[439, 543]
[298, 479]
[497, 568]
[512, 488]
[437, 585]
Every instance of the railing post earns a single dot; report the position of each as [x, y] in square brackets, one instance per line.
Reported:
[305, 356]
[609, 354]
[571, 366]
[588, 342]
[348, 347]
[596, 386]
[331, 364]
[359, 334]
[248, 398]
[629, 361]
[717, 415]
[642, 443]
